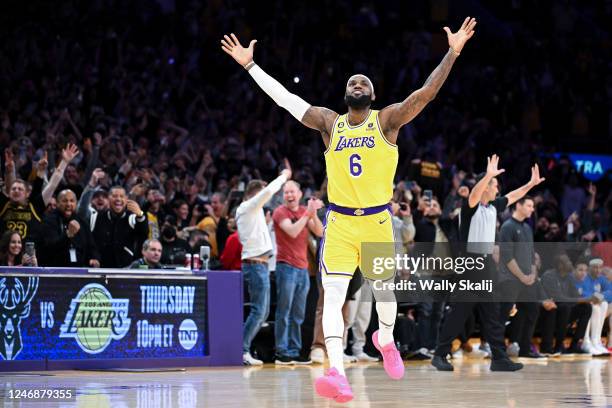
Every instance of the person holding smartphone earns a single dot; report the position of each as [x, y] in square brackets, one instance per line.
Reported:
[12, 251]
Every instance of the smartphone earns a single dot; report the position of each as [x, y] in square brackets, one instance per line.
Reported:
[428, 195]
[30, 249]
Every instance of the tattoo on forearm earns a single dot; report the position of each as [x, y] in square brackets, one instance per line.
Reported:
[439, 75]
[411, 107]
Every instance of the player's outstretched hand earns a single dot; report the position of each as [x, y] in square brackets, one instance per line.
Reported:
[232, 46]
[457, 40]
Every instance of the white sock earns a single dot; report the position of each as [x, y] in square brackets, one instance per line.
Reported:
[387, 312]
[594, 323]
[386, 307]
[587, 332]
[334, 292]
[603, 308]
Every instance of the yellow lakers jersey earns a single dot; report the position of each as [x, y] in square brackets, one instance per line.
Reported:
[360, 163]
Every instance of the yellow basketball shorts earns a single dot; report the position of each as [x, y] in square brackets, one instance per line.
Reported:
[341, 246]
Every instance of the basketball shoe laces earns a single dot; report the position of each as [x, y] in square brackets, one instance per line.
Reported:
[390, 353]
[342, 380]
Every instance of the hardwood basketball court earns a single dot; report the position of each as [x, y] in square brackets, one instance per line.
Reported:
[556, 382]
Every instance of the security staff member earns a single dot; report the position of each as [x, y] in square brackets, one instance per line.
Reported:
[518, 276]
[68, 241]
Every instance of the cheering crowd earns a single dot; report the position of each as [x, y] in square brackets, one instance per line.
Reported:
[122, 149]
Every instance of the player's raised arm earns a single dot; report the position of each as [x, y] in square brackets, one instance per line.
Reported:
[314, 117]
[396, 115]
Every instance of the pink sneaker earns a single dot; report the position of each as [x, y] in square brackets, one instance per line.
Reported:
[334, 386]
[392, 360]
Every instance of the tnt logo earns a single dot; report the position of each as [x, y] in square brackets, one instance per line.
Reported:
[188, 334]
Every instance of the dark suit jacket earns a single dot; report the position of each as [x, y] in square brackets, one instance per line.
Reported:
[56, 244]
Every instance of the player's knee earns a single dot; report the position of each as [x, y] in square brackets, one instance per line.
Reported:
[332, 296]
[334, 289]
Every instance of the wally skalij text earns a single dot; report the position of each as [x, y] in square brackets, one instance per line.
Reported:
[436, 285]
[411, 287]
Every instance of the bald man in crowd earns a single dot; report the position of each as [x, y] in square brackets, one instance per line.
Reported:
[68, 241]
[292, 222]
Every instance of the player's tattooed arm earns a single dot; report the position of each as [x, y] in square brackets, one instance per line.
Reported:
[435, 80]
[394, 116]
[321, 119]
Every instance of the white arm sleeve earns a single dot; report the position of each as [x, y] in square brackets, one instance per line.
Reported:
[283, 98]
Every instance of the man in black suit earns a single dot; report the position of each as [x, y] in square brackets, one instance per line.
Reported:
[67, 238]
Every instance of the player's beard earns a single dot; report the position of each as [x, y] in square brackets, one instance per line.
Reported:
[359, 102]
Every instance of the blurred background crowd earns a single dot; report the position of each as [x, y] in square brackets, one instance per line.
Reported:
[137, 94]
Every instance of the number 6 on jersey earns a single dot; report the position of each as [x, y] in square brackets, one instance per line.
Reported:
[355, 165]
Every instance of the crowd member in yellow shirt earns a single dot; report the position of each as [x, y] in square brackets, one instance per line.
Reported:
[210, 223]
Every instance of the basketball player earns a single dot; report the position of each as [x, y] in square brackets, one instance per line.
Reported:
[361, 158]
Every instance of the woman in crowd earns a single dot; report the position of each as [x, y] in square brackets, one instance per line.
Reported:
[11, 251]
